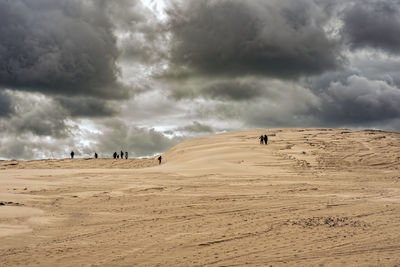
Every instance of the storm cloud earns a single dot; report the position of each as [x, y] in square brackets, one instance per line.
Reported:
[88, 107]
[230, 37]
[360, 100]
[6, 107]
[275, 103]
[373, 24]
[62, 47]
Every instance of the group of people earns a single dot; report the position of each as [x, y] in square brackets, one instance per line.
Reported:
[263, 139]
[116, 155]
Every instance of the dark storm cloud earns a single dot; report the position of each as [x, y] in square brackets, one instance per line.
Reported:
[6, 107]
[63, 47]
[277, 103]
[337, 100]
[359, 100]
[381, 67]
[41, 123]
[222, 90]
[232, 37]
[240, 89]
[88, 107]
[233, 90]
[319, 84]
[373, 24]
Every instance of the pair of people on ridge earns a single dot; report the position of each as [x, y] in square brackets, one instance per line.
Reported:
[263, 139]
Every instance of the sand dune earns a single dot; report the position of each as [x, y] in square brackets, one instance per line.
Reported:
[311, 197]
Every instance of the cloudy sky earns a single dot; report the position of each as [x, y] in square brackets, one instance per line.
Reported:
[142, 75]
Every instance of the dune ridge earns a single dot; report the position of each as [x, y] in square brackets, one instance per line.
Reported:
[323, 197]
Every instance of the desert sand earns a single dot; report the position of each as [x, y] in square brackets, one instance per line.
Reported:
[311, 197]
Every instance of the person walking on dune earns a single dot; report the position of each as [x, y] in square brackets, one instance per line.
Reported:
[265, 139]
[261, 139]
[126, 155]
[159, 160]
[115, 155]
[122, 154]
[95, 155]
[72, 154]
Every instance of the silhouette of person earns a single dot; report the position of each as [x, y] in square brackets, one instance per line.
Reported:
[72, 154]
[261, 139]
[95, 155]
[126, 155]
[115, 155]
[265, 139]
[122, 154]
[159, 159]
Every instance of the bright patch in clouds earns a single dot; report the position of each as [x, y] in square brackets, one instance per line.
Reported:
[157, 7]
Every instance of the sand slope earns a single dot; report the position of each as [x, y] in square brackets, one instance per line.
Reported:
[310, 197]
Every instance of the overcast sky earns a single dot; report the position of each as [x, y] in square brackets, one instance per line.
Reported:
[142, 75]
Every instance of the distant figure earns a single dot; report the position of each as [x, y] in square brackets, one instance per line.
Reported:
[72, 154]
[261, 139]
[115, 155]
[122, 154]
[159, 160]
[265, 139]
[95, 155]
[126, 155]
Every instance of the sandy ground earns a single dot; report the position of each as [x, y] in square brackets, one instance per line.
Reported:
[311, 197]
